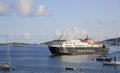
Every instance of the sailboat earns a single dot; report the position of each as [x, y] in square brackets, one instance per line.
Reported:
[6, 65]
[115, 62]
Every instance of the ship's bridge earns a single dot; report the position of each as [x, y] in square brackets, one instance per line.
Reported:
[58, 43]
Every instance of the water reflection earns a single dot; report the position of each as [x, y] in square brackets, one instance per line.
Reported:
[75, 58]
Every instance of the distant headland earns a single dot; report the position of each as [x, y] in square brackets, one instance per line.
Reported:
[111, 41]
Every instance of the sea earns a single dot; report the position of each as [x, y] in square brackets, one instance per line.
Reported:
[38, 59]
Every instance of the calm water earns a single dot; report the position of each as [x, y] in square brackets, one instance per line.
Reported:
[38, 59]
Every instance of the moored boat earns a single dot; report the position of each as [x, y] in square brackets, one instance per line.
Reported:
[112, 63]
[116, 60]
[70, 68]
[5, 66]
[104, 58]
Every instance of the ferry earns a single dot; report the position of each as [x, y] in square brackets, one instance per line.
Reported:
[76, 47]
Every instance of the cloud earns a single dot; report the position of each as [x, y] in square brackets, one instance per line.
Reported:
[102, 22]
[41, 11]
[27, 35]
[23, 7]
[107, 22]
[58, 33]
[72, 33]
[3, 8]
[75, 33]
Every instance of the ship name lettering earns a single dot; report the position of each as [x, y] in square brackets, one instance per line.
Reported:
[86, 50]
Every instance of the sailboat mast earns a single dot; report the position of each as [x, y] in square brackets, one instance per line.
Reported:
[8, 52]
[116, 49]
[116, 39]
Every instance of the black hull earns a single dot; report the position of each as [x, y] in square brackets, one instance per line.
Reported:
[104, 59]
[77, 50]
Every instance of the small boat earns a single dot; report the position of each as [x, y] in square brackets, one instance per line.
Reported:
[112, 63]
[5, 66]
[69, 68]
[115, 62]
[103, 58]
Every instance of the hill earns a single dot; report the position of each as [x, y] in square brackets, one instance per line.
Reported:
[113, 41]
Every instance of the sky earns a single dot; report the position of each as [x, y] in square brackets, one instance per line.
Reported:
[36, 21]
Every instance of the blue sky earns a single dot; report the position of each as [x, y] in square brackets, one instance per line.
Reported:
[37, 21]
